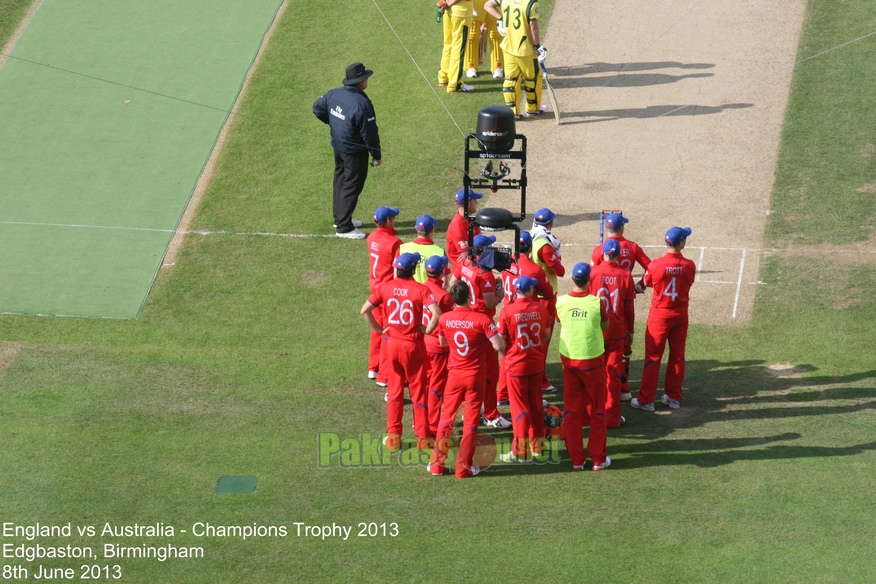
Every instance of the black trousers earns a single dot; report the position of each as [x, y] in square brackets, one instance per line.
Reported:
[351, 170]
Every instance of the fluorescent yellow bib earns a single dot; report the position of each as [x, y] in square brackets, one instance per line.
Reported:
[581, 332]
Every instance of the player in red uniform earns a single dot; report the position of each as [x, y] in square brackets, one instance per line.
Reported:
[484, 297]
[457, 231]
[630, 255]
[437, 354]
[543, 291]
[526, 327]
[614, 286]
[404, 300]
[582, 348]
[671, 276]
[547, 254]
[383, 248]
[467, 332]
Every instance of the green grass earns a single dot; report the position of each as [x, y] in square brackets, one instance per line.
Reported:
[250, 346]
[11, 13]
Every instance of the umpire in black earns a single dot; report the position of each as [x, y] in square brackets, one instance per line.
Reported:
[350, 116]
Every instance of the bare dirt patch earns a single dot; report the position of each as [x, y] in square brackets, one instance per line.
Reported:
[8, 354]
[7, 48]
[672, 111]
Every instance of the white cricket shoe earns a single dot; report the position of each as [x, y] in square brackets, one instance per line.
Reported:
[672, 403]
[356, 223]
[355, 234]
[499, 73]
[499, 422]
[604, 465]
[472, 72]
[372, 374]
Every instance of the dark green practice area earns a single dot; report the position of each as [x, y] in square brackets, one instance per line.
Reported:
[108, 113]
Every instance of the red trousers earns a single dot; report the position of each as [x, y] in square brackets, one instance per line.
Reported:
[659, 330]
[502, 387]
[435, 389]
[407, 362]
[584, 393]
[462, 389]
[490, 364]
[551, 306]
[375, 347]
[614, 374]
[527, 418]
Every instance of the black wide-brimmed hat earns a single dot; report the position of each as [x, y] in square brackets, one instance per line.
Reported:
[357, 73]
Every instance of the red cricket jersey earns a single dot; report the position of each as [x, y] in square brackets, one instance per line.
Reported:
[445, 303]
[466, 331]
[614, 286]
[479, 282]
[457, 238]
[527, 267]
[383, 248]
[404, 300]
[630, 254]
[524, 323]
[671, 276]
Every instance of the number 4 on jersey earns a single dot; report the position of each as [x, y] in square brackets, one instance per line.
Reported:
[670, 291]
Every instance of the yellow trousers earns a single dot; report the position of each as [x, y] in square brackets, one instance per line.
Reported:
[456, 31]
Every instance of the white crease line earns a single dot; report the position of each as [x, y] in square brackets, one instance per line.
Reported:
[739, 283]
[700, 264]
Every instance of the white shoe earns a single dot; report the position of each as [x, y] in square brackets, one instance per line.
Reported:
[604, 465]
[544, 403]
[464, 89]
[542, 109]
[355, 234]
[356, 223]
[386, 397]
[472, 72]
[475, 469]
[372, 375]
[499, 422]
[549, 389]
[648, 406]
[499, 73]
[511, 457]
[672, 403]
[626, 396]
[380, 383]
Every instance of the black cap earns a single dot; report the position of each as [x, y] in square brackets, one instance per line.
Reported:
[357, 73]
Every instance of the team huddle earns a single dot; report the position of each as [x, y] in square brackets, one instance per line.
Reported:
[434, 329]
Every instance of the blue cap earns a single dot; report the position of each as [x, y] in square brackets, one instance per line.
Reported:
[611, 248]
[525, 241]
[383, 213]
[483, 240]
[544, 216]
[460, 196]
[426, 223]
[677, 234]
[581, 271]
[406, 262]
[436, 264]
[616, 220]
[524, 283]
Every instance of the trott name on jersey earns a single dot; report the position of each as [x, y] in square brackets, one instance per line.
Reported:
[674, 269]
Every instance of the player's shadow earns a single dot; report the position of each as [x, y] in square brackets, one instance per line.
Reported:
[570, 220]
[718, 392]
[653, 111]
[602, 67]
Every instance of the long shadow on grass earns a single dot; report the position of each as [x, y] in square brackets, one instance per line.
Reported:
[729, 392]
